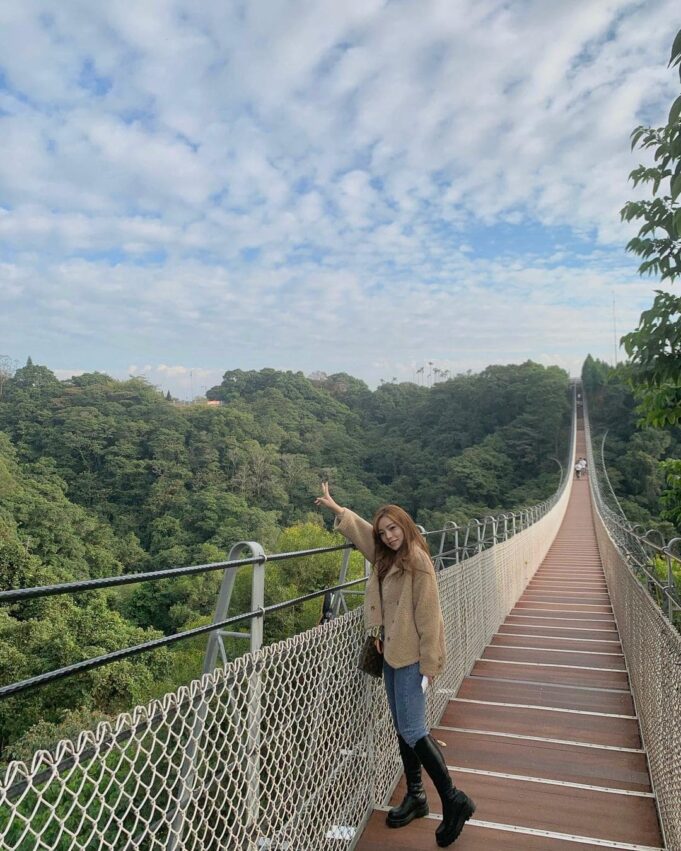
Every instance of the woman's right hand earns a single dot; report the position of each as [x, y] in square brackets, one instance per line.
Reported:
[327, 501]
[379, 645]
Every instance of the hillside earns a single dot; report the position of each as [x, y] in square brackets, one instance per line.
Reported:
[100, 477]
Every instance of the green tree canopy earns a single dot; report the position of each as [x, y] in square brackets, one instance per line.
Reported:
[655, 346]
[102, 477]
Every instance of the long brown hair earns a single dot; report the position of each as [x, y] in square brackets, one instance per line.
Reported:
[413, 539]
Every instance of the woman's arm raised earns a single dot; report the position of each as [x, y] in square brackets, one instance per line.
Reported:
[349, 524]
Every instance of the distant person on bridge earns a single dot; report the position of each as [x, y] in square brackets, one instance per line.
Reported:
[402, 609]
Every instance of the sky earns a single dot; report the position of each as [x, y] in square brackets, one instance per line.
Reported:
[365, 186]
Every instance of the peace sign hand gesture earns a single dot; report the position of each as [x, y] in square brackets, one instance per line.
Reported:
[327, 501]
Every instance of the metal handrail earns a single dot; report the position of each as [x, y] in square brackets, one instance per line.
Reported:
[116, 655]
[456, 554]
[18, 594]
[607, 477]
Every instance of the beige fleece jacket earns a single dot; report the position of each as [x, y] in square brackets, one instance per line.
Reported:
[406, 604]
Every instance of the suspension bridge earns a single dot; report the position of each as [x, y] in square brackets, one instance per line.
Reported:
[559, 710]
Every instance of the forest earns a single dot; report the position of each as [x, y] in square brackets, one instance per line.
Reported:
[100, 477]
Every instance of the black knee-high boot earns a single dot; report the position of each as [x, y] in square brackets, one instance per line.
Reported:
[414, 804]
[457, 807]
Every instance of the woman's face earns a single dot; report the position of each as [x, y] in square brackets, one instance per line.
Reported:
[390, 533]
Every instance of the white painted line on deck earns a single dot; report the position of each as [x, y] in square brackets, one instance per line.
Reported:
[569, 620]
[547, 834]
[547, 626]
[535, 683]
[519, 608]
[567, 837]
[548, 782]
[535, 706]
[550, 665]
[554, 638]
[532, 603]
[578, 744]
[554, 650]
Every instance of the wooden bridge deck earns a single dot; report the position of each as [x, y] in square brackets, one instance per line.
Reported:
[543, 734]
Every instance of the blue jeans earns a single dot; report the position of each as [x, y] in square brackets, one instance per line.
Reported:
[407, 701]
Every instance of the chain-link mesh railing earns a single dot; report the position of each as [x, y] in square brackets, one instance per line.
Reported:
[290, 746]
[652, 649]
[286, 748]
[655, 561]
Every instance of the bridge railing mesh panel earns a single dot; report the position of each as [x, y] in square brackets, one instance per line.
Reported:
[284, 749]
[652, 649]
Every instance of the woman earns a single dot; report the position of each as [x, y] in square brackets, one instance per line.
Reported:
[402, 609]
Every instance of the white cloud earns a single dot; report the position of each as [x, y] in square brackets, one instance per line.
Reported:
[321, 185]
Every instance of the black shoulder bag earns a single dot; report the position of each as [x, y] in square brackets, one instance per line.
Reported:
[370, 660]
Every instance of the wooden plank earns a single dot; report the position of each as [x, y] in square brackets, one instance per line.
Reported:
[532, 694]
[569, 580]
[585, 812]
[570, 570]
[560, 656]
[567, 605]
[599, 730]
[420, 834]
[558, 593]
[568, 763]
[584, 678]
[567, 622]
[555, 642]
[565, 597]
[560, 631]
[601, 617]
[567, 584]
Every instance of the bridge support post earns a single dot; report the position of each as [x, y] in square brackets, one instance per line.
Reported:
[448, 528]
[671, 582]
[338, 598]
[215, 639]
[479, 532]
[187, 773]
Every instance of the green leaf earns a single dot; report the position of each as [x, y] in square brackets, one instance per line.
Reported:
[636, 135]
[677, 223]
[675, 58]
[675, 186]
[675, 111]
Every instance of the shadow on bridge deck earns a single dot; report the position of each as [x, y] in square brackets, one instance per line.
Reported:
[543, 733]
